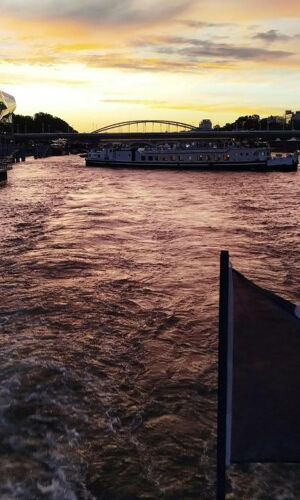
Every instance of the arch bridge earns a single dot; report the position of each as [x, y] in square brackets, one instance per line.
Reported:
[153, 124]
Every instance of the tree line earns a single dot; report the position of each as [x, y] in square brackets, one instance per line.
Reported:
[44, 122]
[40, 123]
[254, 122]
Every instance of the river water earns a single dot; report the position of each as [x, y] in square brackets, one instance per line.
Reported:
[109, 315]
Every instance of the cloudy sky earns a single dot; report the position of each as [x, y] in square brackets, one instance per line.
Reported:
[102, 61]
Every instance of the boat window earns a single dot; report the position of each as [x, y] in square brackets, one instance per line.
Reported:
[173, 158]
[181, 158]
[217, 157]
[156, 158]
[226, 157]
[150, 158]
[190, 158]
[143, 158]
[208, 157]
[200, 157]
[165, 158]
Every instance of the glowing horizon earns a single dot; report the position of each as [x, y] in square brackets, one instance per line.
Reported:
[108, 61]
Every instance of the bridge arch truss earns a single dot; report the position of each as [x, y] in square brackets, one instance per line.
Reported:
[144, 123]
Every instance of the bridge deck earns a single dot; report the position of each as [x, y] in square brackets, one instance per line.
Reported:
[167, 136]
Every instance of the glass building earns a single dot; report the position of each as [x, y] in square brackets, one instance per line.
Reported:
[7, 107]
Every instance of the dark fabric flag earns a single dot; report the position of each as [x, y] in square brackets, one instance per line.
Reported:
[263, 375]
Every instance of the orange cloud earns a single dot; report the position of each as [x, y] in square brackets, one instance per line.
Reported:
[26, 29]
[202, 108]
[224, 107]
[244, 10]
[83, 46]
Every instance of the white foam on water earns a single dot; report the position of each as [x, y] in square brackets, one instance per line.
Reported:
[36, 430]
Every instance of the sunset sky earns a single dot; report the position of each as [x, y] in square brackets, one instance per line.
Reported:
[96, 62]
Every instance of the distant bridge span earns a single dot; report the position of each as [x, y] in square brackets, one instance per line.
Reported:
[191, 135]
[185, 126]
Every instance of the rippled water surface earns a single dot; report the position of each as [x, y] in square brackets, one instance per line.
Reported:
[109, 314]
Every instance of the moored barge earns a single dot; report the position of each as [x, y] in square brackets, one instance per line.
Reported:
[231, 157]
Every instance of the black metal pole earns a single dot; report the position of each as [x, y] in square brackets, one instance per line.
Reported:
[222, 376]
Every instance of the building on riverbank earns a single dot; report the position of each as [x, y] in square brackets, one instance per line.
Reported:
[7, 107]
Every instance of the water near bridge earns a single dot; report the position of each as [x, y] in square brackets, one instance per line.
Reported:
[108, 315]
